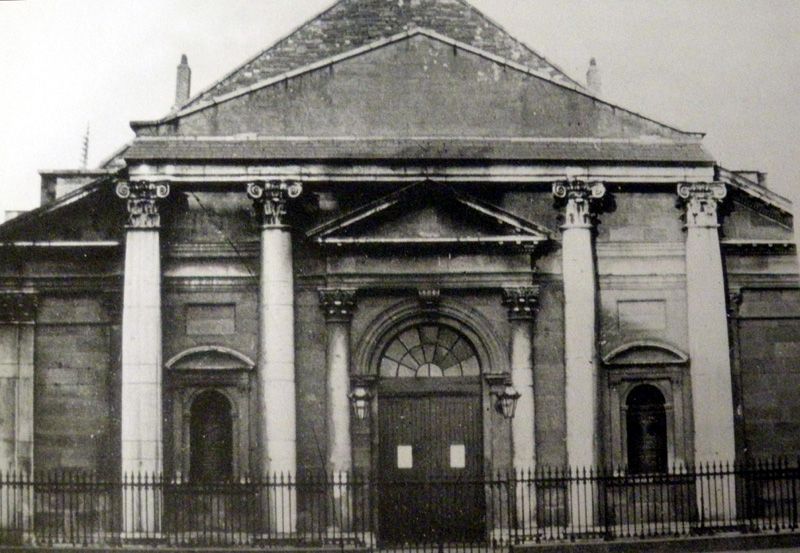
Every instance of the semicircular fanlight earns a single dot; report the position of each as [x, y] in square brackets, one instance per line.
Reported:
[429, 350]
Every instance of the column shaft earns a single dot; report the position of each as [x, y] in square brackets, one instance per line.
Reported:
[276, 362]
[712, 392]
[141, 354]
[338, 388]
[522, 425]
[521, 303]
[579, 346]
[338, 305]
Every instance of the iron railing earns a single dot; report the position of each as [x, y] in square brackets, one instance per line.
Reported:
[351, 510]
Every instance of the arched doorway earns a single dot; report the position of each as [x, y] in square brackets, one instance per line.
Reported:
[430, 436]
[211, 438]
[646, 430]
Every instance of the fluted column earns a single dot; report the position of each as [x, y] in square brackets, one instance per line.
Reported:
[580, 355]
[141, 411]
[276, 370]
[709, 348]
[338, 306]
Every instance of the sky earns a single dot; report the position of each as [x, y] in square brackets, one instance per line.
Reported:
[730, 68]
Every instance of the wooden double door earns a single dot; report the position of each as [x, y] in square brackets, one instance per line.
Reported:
[430, 459]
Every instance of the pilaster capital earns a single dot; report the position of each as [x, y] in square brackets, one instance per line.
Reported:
[18, 307]
[142, 197]
[578, 196]
[270, 198]
[521, 302]
[702, 199]
[337, 304]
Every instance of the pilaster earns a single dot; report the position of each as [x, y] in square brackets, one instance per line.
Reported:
[521, 304]
[338, 306]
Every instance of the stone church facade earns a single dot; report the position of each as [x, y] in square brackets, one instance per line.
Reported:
[402, 205]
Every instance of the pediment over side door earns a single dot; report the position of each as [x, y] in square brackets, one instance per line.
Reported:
[429, 214]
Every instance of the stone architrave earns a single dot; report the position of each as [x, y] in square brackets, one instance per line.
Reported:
[521, 304]
[276, 363]
[338, 306]
[141, 412]
[580, 349]
[709, 348]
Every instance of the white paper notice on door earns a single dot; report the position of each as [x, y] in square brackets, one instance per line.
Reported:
[405, 457]
[458, 456]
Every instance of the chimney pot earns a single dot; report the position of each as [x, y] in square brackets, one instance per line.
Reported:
[593, 82]
[183, 86]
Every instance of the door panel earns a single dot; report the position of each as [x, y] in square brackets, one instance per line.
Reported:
[425, 498]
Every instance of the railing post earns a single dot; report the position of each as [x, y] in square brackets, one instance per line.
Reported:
[141, 506]
[341, 499]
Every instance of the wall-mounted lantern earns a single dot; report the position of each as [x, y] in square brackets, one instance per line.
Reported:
[506, 396]
[360, 399]
[507, 401]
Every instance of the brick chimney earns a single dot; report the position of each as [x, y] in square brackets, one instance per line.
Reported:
[183, 87]
[593, 78]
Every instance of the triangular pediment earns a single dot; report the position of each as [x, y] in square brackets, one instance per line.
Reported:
[431, 214]
[351, 24]
[416, 84]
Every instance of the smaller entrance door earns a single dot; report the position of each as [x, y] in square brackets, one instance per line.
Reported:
[647, 430]
[211, 438]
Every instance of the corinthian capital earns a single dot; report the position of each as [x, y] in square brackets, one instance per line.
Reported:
[579, 196]
[701, 199]
[338, 304]
[142, 197]
[270, 199]
[521, 302]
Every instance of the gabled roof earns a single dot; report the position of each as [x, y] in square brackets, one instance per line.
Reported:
[508, 228]
[741, 182]
[349, 24]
